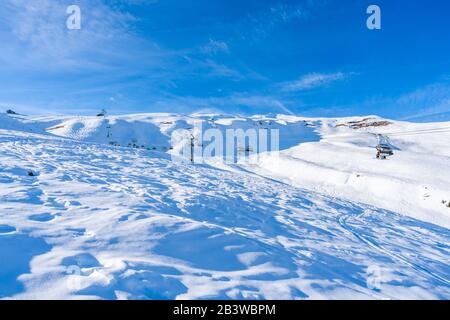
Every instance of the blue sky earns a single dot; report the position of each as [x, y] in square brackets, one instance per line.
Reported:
[310, 57]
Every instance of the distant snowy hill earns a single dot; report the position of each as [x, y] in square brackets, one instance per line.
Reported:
[93, 207]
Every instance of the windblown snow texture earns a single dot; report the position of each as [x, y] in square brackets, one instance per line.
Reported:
[324, 220]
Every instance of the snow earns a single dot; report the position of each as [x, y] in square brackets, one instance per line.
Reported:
[323, 219]
[414, 182]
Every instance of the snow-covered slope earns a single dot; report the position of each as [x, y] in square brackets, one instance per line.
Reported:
[331, 156]
[102, 221]
[414, 182]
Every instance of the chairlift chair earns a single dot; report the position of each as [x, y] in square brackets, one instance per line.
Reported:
[384, 151]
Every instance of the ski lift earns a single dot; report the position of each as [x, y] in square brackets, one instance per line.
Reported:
[102, 113]
[384, 151]
[246, 149]
[384, 147]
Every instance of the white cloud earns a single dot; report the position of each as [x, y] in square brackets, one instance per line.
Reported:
[219, 70]
[261, 24]
[428, 103]
[285, 13]
[236, 102]
[425, 102]
[311, 81]
[214, 47]
[37, 37]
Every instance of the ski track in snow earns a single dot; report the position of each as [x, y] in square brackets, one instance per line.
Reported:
[114, 223]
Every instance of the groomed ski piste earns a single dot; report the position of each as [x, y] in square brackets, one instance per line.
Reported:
[96, 208]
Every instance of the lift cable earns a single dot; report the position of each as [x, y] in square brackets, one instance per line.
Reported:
[398, 133]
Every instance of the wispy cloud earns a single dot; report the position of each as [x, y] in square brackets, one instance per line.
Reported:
[262, 23]
[282, 12]
[36, 34]
[311, 81]
[237, 102]
[220, 70]
[429, 101]
[215, 47]
[199, 67]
